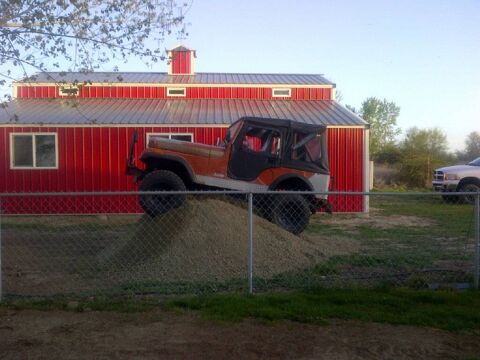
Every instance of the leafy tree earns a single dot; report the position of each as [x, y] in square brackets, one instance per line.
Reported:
[472, 147]
[390, 154]
[422, 151]
[36, 34]
[382, 116]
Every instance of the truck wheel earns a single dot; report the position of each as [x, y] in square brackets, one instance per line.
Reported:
[450, 199]
[161, 180]
[469, 199]
[291, 212]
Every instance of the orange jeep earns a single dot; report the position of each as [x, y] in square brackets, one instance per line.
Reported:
[256, 155]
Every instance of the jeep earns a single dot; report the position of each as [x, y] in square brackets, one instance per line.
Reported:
[460, 178]
[256, 155]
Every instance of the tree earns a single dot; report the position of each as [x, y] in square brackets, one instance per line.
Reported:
[382, 116]
[472, 147]
[422, 151]
[37, 34]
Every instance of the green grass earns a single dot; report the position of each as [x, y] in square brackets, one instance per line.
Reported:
[447, 310]
[443, 243]
[123, 304]
[453, 311]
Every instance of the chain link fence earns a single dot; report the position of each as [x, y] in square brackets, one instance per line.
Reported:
[203, 242]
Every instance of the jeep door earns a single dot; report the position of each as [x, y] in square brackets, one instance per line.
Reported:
[255, 150]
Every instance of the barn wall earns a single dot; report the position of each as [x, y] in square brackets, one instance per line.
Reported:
[345, 149]
[159, 92]
[93, 159]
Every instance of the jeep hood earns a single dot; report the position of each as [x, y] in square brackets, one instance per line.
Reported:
[186, 147]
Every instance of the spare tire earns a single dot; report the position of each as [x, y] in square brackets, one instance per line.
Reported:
[291, 212]
[161, 180]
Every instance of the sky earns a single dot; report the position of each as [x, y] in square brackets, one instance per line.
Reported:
[422, 55]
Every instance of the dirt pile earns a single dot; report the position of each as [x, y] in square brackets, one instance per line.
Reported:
[207, 240]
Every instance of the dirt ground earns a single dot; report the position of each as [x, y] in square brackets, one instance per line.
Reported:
[29, 334]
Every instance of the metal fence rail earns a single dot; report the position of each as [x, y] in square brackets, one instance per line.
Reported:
[227, 241]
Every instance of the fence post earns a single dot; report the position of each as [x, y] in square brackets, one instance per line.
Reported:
[250, 243]
[476, 274]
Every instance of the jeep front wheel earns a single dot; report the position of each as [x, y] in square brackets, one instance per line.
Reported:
[291, 212]
[161, 180]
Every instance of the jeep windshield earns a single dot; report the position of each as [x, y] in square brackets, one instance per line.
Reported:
[475, 162]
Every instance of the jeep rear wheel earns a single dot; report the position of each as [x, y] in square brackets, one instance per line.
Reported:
[469, 199]
[161, 180]
[291, 212]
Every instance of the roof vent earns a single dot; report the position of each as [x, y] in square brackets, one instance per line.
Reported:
[181, 61]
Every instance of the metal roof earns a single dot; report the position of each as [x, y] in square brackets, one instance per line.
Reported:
[181, 48]
[172, 112]
[165, 78]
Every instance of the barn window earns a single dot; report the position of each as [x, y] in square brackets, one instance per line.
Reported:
[33, 151]
[68, 90]
[172, 136]
[281, 92]
[176, 92]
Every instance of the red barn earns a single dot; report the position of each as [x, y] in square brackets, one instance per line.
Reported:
[70, 132]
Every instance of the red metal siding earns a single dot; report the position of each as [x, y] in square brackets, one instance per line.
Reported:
[147, 92]
[93, 159]
[181, 62]
[345, 146]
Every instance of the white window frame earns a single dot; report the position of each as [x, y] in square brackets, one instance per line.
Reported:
[281, 95]
[167, 134]
[60, 93]
[176, 95]
[34, 157]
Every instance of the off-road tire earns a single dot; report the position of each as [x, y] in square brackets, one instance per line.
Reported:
[263, 205]
[291, 212]
[469, 187]
[161, 180]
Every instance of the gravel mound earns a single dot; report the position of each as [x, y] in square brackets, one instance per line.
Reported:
[207, 240]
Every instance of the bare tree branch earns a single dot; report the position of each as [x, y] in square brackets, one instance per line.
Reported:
[85, 33]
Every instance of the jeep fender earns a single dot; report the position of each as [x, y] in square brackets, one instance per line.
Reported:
[173, 163]
[293, 182]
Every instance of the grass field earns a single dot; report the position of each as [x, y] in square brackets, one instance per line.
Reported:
[447, 310]
[415, 241]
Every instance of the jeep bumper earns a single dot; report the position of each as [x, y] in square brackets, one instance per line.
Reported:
[322, 204]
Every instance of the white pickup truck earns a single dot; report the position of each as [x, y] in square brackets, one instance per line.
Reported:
[462, 178]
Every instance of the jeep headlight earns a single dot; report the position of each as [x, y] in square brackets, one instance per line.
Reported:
[451, 177]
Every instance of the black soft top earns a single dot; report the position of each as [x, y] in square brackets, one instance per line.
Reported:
[285, 123]
[287, 129]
